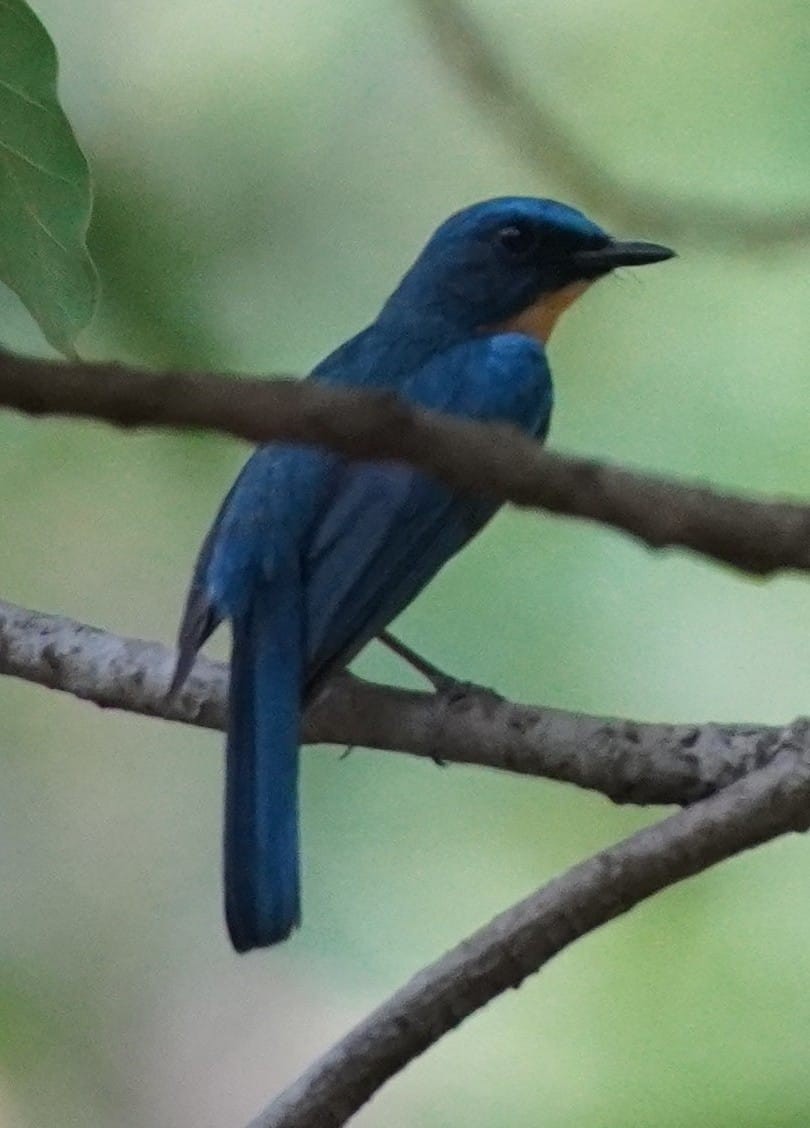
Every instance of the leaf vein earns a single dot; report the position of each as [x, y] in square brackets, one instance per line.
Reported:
[21, 94]
[27, 206]
[39, 168]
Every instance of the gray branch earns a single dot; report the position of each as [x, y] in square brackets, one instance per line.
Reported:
[740, 785]
[744, 784]
[627, 761]
[770, 802]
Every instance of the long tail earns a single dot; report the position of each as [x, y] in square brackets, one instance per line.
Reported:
[262, 904]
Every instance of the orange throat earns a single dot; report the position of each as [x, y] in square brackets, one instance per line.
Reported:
[539, 319]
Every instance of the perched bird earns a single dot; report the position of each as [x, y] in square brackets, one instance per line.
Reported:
[312, 555]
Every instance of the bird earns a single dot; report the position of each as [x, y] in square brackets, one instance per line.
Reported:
[312, 555]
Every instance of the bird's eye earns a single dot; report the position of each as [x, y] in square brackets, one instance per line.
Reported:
[517, 239]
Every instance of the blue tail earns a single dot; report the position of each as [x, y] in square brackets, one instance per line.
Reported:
[261, 786]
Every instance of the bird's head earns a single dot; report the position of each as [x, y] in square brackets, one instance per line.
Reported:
[512, 263]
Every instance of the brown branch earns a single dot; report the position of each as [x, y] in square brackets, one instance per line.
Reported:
[754, 536]
[521, 940]
[540, 139]
[627, 761]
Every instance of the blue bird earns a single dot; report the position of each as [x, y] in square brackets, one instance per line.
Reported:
[312, 555]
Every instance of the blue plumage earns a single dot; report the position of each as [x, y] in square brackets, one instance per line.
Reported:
[311, 555]
[262, 903]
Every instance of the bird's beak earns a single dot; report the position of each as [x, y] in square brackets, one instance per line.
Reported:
[616, 253]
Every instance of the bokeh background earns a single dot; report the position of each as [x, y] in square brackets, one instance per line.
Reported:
[265, 171]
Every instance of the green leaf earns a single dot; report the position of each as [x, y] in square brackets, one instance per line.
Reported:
[45, 196]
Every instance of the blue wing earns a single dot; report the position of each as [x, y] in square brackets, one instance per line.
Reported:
[310, 557]
[388, 529]
[371, 534]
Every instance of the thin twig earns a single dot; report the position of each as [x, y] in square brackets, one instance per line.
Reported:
[627, 761]
[540, 138]
[754, 536]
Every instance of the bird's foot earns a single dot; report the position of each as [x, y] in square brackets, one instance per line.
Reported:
[437, 678]
[451, 690]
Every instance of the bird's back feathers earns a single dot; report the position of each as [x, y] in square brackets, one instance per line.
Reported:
[310, 557]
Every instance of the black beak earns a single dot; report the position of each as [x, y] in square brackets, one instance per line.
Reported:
[616, 253]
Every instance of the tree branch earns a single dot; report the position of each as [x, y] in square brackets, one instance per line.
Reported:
[540, 138]
[521, 940]
[754, 536]
[627, 761]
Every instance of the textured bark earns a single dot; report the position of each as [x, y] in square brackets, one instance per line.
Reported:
[771, 801]
[755, 536]
[628, 761]
[745, 784]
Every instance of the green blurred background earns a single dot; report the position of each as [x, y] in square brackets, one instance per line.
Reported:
[265, 171]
